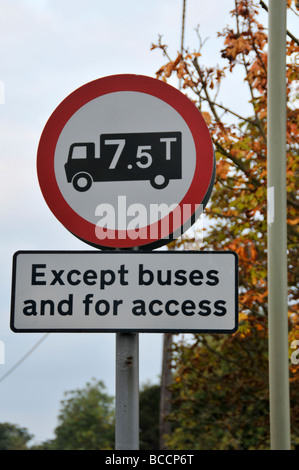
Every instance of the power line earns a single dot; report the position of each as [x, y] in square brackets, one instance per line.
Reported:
[23, 358]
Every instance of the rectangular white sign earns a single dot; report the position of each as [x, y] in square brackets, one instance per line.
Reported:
[131, 291]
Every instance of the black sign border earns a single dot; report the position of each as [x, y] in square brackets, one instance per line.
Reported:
[121, 330]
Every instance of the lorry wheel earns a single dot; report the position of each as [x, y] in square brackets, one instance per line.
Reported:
[159, 182]
[82, 182]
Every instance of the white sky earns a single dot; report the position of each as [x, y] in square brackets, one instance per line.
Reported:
[48, 48]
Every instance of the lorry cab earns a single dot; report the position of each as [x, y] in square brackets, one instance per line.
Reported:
[79, 167]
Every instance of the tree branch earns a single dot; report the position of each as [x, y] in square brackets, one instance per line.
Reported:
[264, 6]
[204, 86]
[258, 121]
[237, 162]
[231, 361]
[250, 121]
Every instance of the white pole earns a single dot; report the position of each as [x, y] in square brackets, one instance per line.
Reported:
[277, 236]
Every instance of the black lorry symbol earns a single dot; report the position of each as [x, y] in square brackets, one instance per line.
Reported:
[152, 156]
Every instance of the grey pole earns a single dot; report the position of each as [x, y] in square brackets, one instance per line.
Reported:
[277, 236]
[127, 392]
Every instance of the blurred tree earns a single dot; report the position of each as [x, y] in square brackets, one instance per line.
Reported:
[149, 399]
[13, 437]
[220, 383]
[86, 420]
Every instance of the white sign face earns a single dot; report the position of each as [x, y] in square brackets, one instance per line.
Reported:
[141, 166]
[126, 161]
[164, 291]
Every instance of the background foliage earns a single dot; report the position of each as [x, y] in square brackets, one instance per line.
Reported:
[220, 390]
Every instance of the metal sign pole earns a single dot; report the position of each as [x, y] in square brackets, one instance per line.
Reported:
[277, 246]
[127, 392]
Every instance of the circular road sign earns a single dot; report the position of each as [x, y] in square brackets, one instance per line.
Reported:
[126, 161]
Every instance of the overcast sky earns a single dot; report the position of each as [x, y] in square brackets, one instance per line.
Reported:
[48, 49]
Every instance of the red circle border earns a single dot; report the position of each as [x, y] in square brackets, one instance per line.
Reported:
[204, 170]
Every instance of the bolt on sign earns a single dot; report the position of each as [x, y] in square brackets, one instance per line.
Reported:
[132, 291]
[126, 161]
